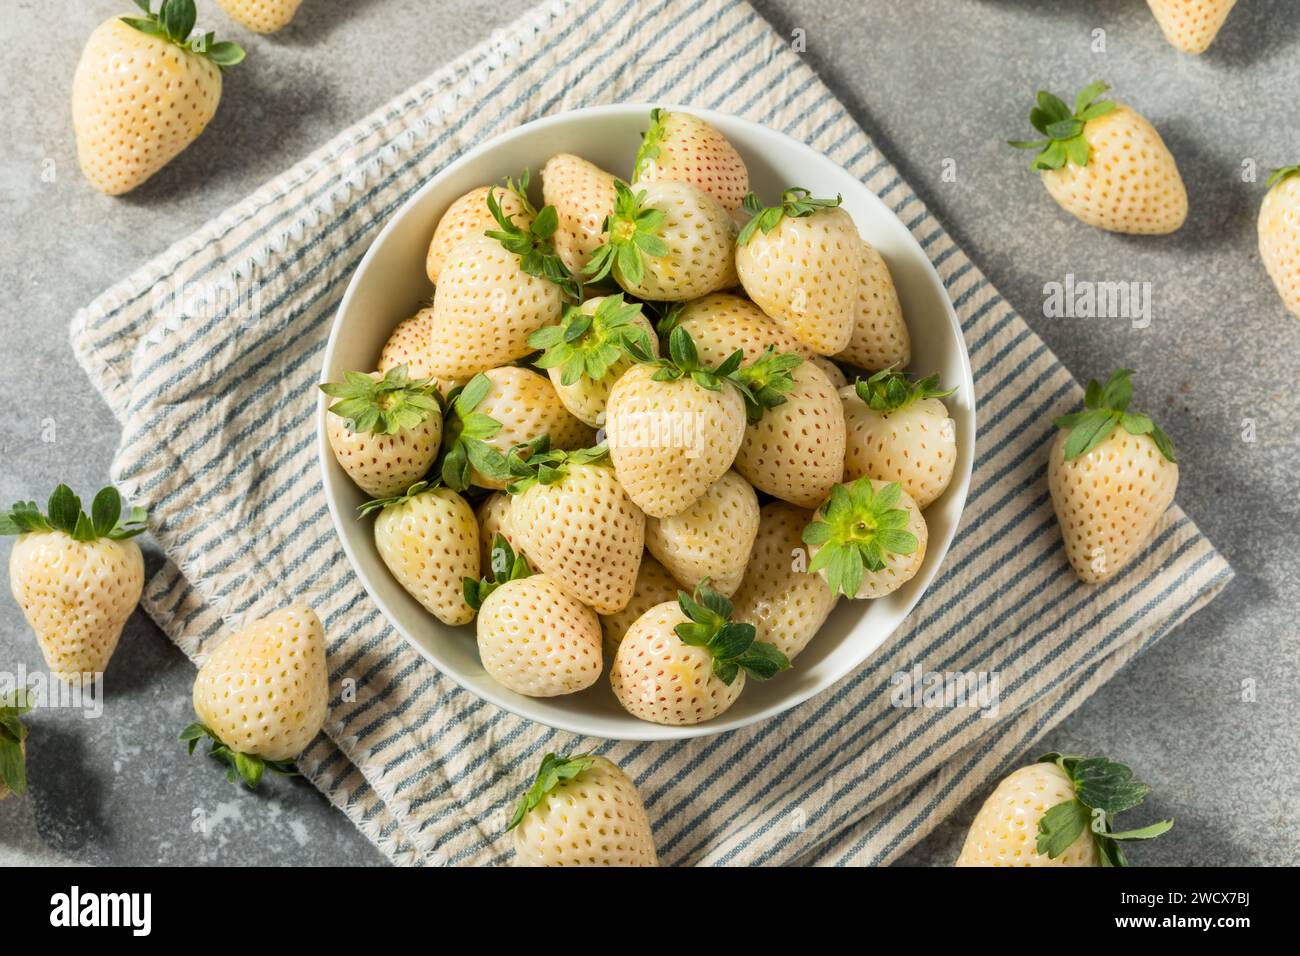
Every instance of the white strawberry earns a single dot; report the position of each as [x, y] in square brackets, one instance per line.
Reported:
[411, 344]
[428, 538]
[583, 196]
[880, 338]
[898, 429]
[722, 323]
[469, 217]
[793, 450]
[786, 605]
[77, 577]
[1058, 812]
[496, 411]
[685, 661]
[587, 352]
[384, 430]
[573, 519]
[494, 291]
[674, 428]
[711, 539]
[800, 262]
[582, 811]
[1112, 475]
[143, 91]
[1191, 25]
[654, 585]
[13, 742]
[261, 16]
[668, 242]
[1106, 165]
[1279, 235]
[493, 514]
[682, 148]
[834, 374]
[262, 694]
[534, 637]
[867, 540]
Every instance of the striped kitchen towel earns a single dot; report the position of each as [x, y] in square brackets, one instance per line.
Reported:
[209, 356]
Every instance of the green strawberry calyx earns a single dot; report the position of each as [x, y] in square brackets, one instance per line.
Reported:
[383, 406]
[1102, 788]
[535, 463]
[683, 361]
[631, 232]
[13, 763]
[587, 345]
[758, 389]
[465, 433]
[63, 513]
[506, 565]
[417, 489]
[856, 530]
[174, 22]
[651, 140]
[1063, 127]
[1104, 407]
[520, 189]
[766, 381]
[553, 771]
[1281, 174]
[239, 766]
[731, 643]
[889, 390]
[796, 203]
[670, 316]
[537, 256]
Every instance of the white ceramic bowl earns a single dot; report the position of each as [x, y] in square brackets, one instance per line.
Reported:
[390, 283]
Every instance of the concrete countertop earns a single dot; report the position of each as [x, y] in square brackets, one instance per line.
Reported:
[939, 84]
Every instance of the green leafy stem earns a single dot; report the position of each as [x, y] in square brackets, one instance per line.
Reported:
[174, 22]
[1105, 407]
[1102, 788]
[13, 765]
[239, 766]
[63, 513]
[732, 644]
[586, 344]
[553, 771]
[856, 530]
[761, 385]
[1063, 128]
[505, 565]
[796, 203]
[537, 255]
[1283, 173]
[889, 390]
[631, 232]
[651, 141]
[465, 437]
[383, 406]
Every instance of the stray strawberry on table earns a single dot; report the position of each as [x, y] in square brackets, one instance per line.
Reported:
[1059, 811]
[145, 88]
[77, 577]
[1106, 165]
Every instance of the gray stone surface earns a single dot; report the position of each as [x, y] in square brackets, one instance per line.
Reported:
[931, 80]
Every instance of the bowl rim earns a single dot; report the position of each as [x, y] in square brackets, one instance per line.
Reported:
[959, 487]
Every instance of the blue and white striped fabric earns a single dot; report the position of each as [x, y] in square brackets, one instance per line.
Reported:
[209, 355]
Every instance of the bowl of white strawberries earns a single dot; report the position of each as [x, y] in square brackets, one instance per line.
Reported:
[646, 423]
